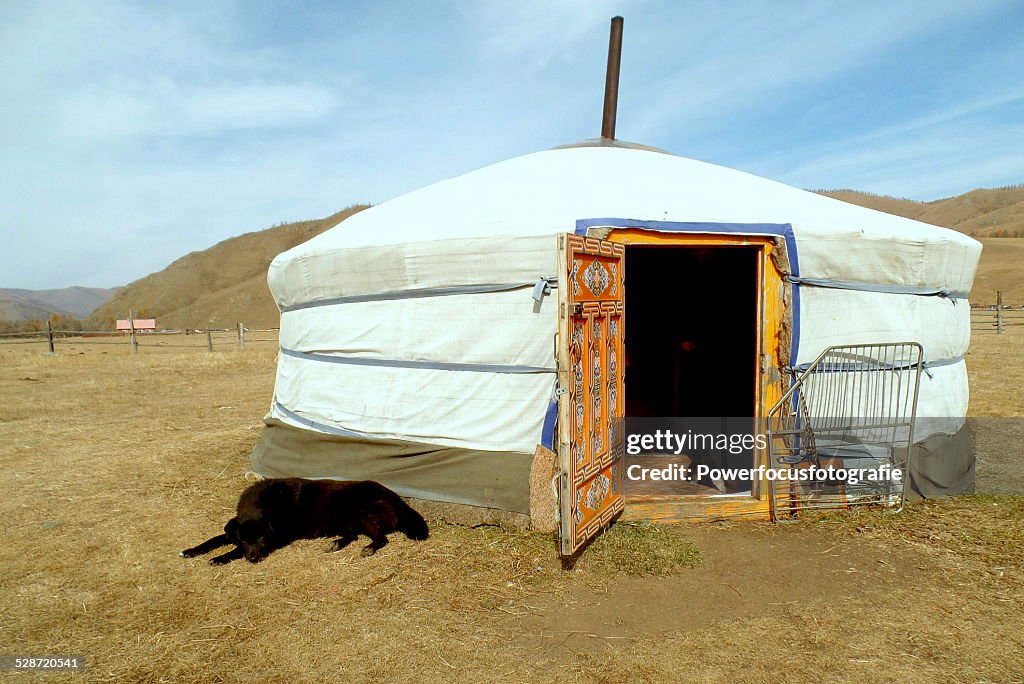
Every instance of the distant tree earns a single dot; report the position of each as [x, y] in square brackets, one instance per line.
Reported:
[65, 322]
[109, 323]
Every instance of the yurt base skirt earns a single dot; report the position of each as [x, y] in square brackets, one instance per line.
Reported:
[488, 479]
[498, 483]
[942, 465]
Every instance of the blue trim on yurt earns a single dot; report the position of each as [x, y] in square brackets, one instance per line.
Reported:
[547, 432]
[783, 230]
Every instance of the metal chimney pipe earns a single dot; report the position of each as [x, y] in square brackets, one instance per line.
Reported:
[611, 80]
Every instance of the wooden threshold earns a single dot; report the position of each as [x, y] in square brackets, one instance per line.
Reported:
[665, 508]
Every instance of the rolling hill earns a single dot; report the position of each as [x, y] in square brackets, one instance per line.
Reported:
[1001, 268]
[983, 213]
[219, 286]
[77, 302]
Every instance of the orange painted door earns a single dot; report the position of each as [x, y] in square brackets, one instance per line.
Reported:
[591, 391]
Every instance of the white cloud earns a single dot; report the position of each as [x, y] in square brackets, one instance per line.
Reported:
[747, 57]
[533, 33]
[177, 108]
[948, 113]
[925, 162]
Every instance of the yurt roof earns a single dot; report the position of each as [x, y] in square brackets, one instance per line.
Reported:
[547, 192]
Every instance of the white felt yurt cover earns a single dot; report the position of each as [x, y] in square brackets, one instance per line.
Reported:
[414, 325]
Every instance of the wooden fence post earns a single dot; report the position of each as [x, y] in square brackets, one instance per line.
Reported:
[209, 338]
[131, 324]
[999, 312]
[49, 335]
[241, 337]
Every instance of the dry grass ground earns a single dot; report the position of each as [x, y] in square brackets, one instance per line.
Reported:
[996, 367]
[110, 463]
[995, 364]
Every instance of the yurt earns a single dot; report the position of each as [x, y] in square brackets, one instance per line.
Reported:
[445, 343]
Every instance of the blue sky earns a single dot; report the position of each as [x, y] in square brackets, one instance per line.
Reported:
[132, 133]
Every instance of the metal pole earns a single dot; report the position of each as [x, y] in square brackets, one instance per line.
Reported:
[49, 335]
[611, 79]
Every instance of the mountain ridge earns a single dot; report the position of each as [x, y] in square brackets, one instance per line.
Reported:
[76, 301]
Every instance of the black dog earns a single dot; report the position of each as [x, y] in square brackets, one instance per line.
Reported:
[274, 513]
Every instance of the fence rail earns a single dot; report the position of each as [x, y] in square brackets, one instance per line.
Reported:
[990, 319]
[210, 339]
[996, 317]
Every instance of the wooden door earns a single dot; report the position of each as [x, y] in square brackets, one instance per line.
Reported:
[591, 391]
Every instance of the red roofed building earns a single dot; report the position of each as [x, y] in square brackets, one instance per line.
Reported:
[141, 325]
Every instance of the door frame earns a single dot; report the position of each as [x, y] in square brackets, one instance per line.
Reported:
[776, 328]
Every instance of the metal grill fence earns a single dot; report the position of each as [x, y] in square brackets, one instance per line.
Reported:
[848, 414]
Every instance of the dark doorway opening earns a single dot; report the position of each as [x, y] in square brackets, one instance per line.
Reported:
[691, 336]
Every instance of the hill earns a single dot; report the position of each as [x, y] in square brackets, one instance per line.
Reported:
[1001, 268]
[76, 302]
[219, 286]
[982, 213]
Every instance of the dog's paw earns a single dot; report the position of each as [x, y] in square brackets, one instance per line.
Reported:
[338, 544]
[186, 554]
[218, 561]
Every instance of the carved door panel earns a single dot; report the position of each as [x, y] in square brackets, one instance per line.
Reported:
[591, 399]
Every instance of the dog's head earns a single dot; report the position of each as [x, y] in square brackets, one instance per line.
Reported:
[252, 536]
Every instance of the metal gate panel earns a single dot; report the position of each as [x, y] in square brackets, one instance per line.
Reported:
[591, 392]
[851, 410]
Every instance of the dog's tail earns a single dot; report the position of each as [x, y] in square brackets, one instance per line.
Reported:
[411, 523]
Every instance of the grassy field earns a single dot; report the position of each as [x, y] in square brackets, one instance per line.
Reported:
[110, 463]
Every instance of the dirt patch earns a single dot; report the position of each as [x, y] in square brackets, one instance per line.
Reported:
[748, 569]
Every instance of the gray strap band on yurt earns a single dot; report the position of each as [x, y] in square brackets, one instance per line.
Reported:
[877, 287]
[541, 287]
[423, 365]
